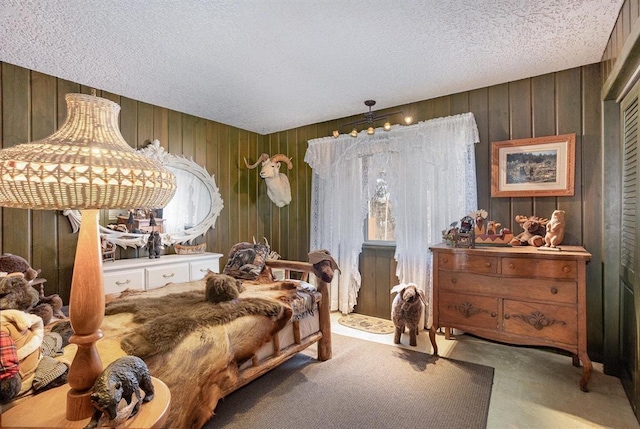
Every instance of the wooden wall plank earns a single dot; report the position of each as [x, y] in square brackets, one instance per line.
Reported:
[520, 127]
[500, 209]
[479, 105]
[592, 156]
[145, 125]
[569, 120]
[44, 222]
[16, 108]
[161, 125]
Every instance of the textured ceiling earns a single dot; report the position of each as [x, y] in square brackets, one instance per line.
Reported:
[272, 65]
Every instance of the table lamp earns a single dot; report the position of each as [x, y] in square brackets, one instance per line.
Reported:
[86, 165]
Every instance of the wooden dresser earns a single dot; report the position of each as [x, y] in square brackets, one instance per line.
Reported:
[516, 295]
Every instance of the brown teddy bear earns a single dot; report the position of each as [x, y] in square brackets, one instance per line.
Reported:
[534, 231]
[16, 264]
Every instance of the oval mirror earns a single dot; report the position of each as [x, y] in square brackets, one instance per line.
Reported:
[192, 211]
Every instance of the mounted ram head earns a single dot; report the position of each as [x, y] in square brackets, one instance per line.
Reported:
[278, 188]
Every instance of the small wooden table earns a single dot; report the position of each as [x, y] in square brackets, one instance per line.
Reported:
[48, 410]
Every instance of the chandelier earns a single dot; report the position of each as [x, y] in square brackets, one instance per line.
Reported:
[370, 118]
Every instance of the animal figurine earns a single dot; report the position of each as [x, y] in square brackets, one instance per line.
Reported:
[221, 287]
[406, 310]
[278, 187]
[121, 380]
[555, 229]
[534, 231]
[154, 244]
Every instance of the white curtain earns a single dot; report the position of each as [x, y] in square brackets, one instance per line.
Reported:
[430, 171]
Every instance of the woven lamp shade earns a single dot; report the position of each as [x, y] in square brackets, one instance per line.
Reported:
[86, 164]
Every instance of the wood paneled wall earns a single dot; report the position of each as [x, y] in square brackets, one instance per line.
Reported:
[557, 103]
[32, 107]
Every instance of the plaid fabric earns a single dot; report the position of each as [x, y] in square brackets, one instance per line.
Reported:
[9, 364]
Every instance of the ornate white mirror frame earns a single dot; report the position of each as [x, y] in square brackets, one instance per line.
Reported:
[174, 162]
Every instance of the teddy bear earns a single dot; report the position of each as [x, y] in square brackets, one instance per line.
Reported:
[534, 231]
[555, 229]
[222, 287]
[16, 264]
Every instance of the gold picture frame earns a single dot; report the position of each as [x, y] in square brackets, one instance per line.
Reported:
[535, 167]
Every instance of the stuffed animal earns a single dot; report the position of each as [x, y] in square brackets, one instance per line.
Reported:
[323, 264]
[154, 244]
[406, 310]
[16, 264]
[534, 231]
[16, 293]
[221, 287]
[555, 229]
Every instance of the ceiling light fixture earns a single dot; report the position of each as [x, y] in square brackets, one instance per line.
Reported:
[370, 118]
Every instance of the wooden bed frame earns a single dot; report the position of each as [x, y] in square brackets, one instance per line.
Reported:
[155, 413]
[322, 337]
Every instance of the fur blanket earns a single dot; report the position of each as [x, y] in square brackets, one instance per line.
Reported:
[195, 346]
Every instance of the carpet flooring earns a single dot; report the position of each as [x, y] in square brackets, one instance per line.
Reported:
[365, 385]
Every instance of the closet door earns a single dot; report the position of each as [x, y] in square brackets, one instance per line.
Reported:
[629, 248]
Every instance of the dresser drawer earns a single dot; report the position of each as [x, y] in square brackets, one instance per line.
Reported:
[457, 309]
[553, 291]
[160, 276]
[466, 262]
[200, 268]
[114, 283]
[529, 267]
[549, 322]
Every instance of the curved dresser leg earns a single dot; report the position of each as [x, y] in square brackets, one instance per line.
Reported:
[587, 368]
[432, 338]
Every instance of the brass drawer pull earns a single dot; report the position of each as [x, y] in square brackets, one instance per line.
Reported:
[454, 280]
[554, 291]
[120, 283]
[168, 276]
[566, 269]
[445, 260]
[506, 316]
[487, 264]
[512, 266]
[494, 314]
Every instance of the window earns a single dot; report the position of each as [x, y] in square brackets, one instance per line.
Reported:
[380, 224]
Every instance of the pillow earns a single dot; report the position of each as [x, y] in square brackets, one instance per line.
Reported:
[246, 260]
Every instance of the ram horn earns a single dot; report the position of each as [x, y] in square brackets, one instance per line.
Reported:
[262, 158]
[282, 158]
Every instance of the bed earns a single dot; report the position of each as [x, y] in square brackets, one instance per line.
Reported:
[202, 361]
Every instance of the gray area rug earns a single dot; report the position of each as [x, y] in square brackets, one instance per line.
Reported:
[366, 385]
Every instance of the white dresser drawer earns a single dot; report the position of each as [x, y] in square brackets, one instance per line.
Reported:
[160, 276]
[118, 281]
[200, 268]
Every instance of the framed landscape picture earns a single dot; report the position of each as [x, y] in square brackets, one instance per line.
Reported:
[536, 167]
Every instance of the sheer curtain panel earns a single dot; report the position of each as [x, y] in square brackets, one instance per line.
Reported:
[430, 171]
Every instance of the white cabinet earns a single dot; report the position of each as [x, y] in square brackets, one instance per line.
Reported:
[145, 273]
